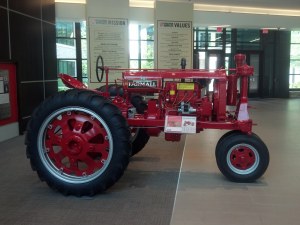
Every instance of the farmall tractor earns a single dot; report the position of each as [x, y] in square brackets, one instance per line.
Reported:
[80, 141]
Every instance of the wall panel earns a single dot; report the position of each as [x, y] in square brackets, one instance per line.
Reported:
[33, 48]
[26, 46]
[4, 41]
[27, 7]
[3, 3]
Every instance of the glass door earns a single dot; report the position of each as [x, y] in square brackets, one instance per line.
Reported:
[254, 80]
[255, 84]
[209, 60]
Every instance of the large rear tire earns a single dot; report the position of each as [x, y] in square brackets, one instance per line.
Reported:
[241, 157]
[78, 142]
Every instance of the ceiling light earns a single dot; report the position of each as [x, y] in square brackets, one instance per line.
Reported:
[72, 1]
[248, 10]
[141, 3]
[223, 26]
[254, 40]
[273, 28]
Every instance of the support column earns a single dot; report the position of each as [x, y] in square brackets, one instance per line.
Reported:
[174, 32]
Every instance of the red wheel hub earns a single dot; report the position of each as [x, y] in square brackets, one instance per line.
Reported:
[74, 145]
[242, 158]
[77, 143]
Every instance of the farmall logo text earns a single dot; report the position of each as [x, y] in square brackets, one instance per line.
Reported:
[142, 83]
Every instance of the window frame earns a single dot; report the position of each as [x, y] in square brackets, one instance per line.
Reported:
[78, 28]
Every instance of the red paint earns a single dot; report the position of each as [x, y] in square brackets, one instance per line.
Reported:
[84, 146]
[178, 92]
[242, 158]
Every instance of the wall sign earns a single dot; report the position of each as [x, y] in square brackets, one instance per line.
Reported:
[174, 41]
[108, 37]
[8, 94]
[5, 111]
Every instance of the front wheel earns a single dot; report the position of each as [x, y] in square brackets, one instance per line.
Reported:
[78, 142]
[241, 157]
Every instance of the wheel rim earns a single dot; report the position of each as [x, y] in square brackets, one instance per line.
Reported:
[75, 144]
[243, 159]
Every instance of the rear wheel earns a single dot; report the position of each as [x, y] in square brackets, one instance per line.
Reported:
[78, 143]
[241, 157]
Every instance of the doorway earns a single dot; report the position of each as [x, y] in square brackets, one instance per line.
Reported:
[253, 58]
[210, 60]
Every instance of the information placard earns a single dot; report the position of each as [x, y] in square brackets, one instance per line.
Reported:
[8, 93]
[180, 124]
[5, 108]
[108, 37]
[174, 42]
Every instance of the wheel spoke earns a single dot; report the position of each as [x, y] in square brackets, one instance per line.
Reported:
[92, 165]
[57, 158]
[95, 133]
[77, 126]
[53, 139]
[99, 148]
[74, 167]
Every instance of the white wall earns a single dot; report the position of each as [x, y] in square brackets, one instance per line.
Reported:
[107, 8]
[9, 131]
[70, 12]
[141, 15]
[77, 12]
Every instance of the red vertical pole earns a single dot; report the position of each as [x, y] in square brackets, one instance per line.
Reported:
[243, 70]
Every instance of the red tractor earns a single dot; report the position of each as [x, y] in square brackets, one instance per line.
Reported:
[80, 141]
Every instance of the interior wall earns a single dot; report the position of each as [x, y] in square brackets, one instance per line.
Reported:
[70, 12]
[173, 43]
[29, 40]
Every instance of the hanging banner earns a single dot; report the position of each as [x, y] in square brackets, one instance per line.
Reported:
[174, 42]
[108, 37]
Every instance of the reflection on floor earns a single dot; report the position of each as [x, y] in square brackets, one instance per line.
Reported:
[205, 197]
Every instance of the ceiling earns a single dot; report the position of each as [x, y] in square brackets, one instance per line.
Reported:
[276, 4]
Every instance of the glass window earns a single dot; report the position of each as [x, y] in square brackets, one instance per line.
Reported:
[134, 49]
[68, 57]
[295, 60]
[141, 46]
[248, 39]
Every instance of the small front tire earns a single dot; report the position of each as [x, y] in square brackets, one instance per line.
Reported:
[241, 157]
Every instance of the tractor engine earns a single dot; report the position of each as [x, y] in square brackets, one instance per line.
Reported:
[185, 97]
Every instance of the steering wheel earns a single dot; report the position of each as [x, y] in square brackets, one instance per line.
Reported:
[99, 67]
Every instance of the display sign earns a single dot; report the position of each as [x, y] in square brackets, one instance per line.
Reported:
[174, 42]
[5, 111]
[108, 37]
[180, 124]
[8, 94]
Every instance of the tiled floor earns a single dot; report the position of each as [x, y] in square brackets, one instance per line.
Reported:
[205, 197]
[147, 191]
